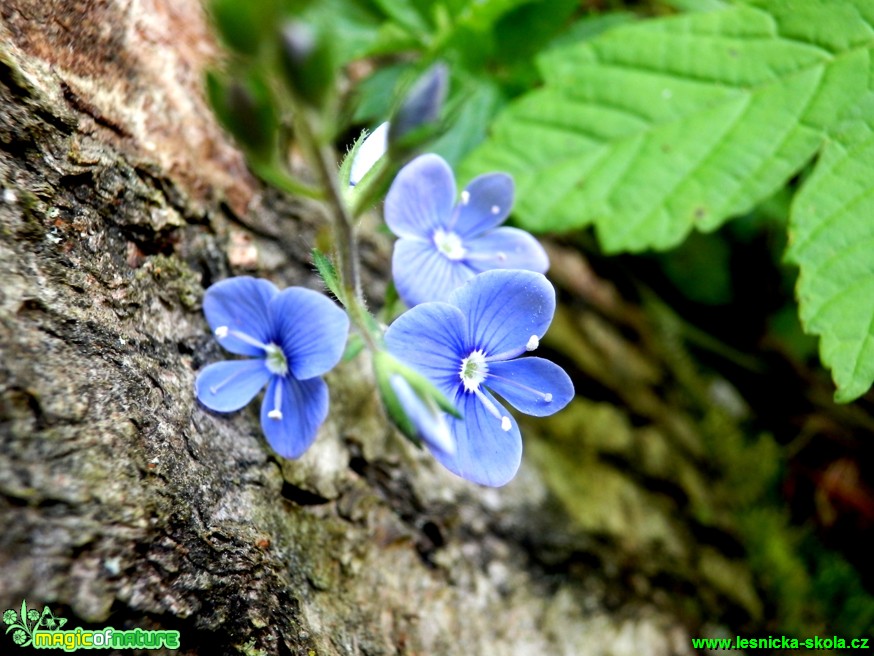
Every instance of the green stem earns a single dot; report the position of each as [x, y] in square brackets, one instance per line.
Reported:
[347, 247]
[274, 176]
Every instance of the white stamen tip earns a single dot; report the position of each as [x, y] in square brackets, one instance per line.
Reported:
[533, 343]
[221, 332]
[547, 397]
[275, 414]
[465, 197]
[505, 423]
[495, 209]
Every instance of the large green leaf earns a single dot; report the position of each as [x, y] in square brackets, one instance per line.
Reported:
[832, 241]
[654, 128]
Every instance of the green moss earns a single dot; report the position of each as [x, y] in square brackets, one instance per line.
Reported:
[176, 282]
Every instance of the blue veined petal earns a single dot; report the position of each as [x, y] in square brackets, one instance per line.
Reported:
[504, 308]
[311, 330]
[485, 203]
[302, 406]
[240, 304]
[422, 274]
[430, 339]
[484, 452]
[431, 424]
[506, 248]
[368, 154]
[228, 386]
[421, 198]
[534, 386]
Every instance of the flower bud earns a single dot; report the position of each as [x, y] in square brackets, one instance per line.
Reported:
[416, 119]
[413, 404]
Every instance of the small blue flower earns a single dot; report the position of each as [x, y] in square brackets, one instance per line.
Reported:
[468, 348]
[294, 336]
[442, 244]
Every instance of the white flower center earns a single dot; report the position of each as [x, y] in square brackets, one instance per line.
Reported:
[473, 370]
[449, 244]
[275, 360]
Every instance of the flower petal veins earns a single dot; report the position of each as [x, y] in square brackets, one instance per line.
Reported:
[302, 407]
[240, 304]
[228, 386]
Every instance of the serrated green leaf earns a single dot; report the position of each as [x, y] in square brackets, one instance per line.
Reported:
[658, 127]
[832, 242]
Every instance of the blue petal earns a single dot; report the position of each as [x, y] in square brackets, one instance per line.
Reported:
[310, 328]
[504, 308]
[430, 339]
[422, 274]
[489, 199]
[240, 304]
[524, 382]
[228, 386]
[484, 452]
[431, 425]
[421, 198]
[304, 406]
[506, 248]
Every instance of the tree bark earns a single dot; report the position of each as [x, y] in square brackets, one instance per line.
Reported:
[125, 503]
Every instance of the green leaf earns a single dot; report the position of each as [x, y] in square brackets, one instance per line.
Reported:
[471, 105]
[832, 242]
[328, 274]
[406, 14]
[658, 127]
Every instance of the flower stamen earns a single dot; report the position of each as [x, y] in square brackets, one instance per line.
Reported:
[533, 343]
[223, 331]
[493, 409]
[473, 372]
[276, 413]
[546, 397]
[500, 256]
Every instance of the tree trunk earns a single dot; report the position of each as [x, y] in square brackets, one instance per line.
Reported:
[125, 503]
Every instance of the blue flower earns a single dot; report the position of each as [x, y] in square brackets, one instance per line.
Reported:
[442, 244]
[294, 336]
[468, 348]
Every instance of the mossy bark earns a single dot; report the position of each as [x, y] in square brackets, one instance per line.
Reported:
[125, 503]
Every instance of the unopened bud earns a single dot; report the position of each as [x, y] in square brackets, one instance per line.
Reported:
[417, 117]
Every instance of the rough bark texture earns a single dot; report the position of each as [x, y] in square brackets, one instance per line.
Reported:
[124, 503]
